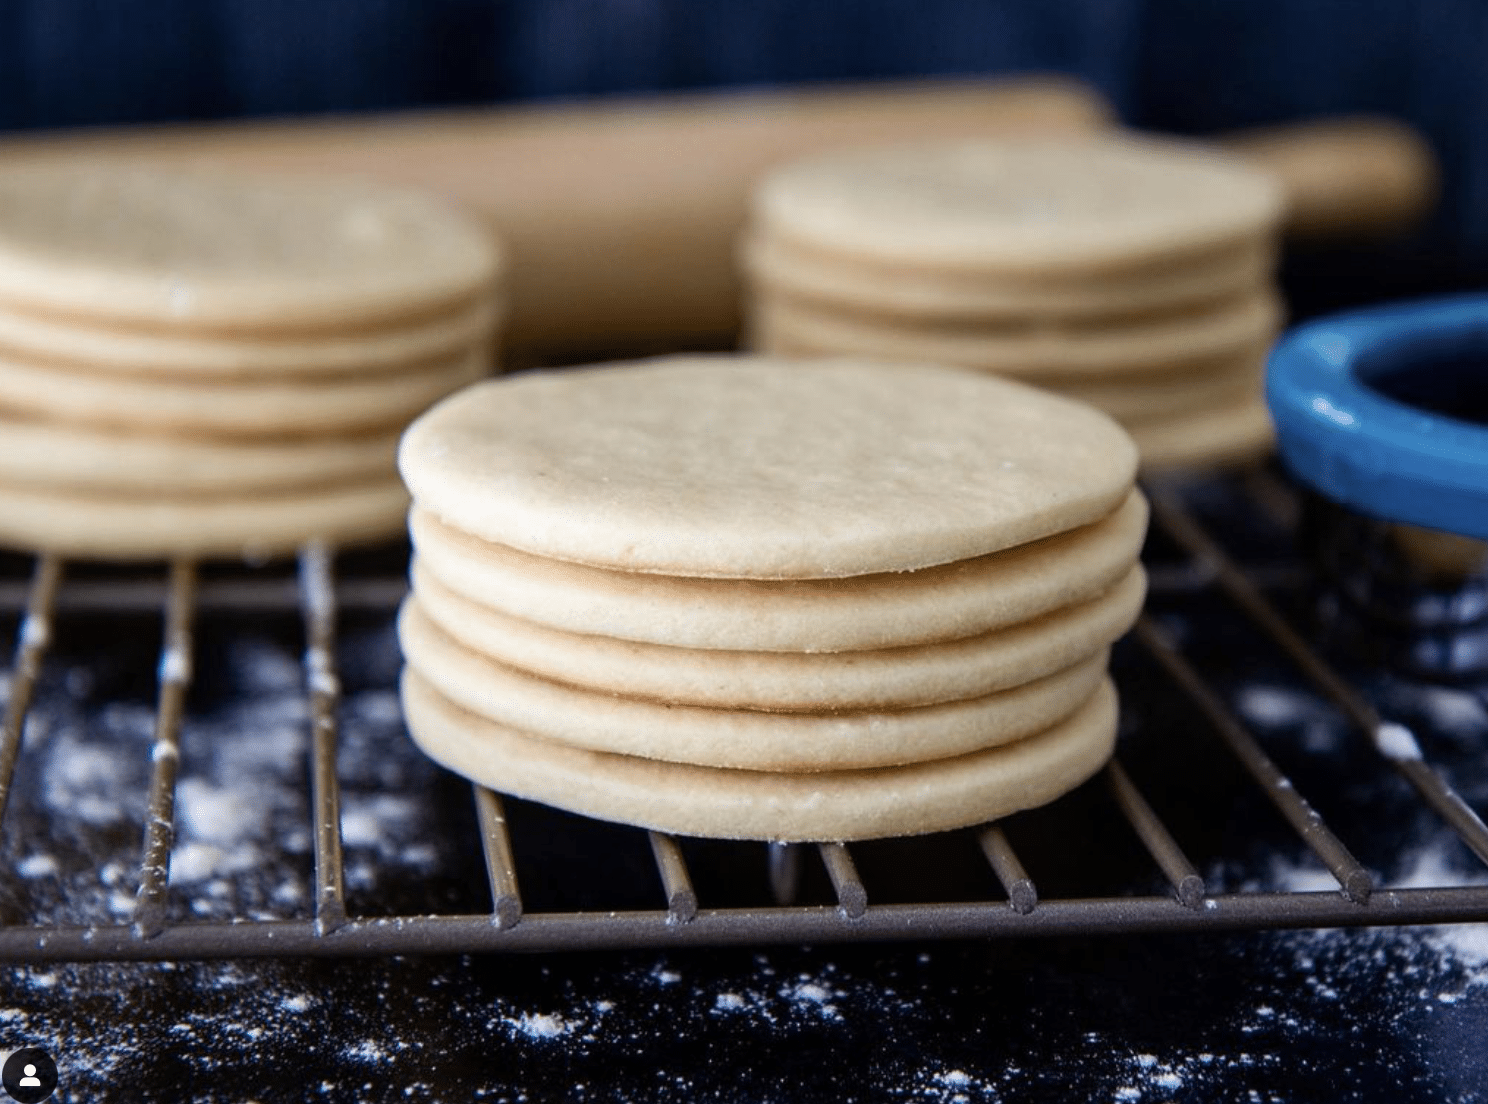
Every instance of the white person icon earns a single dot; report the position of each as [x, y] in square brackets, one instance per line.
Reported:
[29, 1075]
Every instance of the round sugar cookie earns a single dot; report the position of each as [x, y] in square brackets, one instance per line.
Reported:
[1025, 349]
[737, 738]
[863, 286]
[814, 615]
[1234, 433]
[1201, 385]
[737, 804]
[1020, 205]
[209, 407]
[38, 339]
[149, 527]
[231, 252]
[885, 678]
[754, 467]
[83, 458]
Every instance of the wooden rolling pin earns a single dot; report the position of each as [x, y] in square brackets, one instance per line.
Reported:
[620, 217]
[1347, 177]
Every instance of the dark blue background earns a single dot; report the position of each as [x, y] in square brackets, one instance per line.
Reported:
[1184, 65]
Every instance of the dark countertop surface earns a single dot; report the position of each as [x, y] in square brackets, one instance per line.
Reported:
[1389, 1014]
[1363, 1015]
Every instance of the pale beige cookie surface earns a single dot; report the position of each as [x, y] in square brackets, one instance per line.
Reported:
[1197, 386]
[1026, 349]
[818, 615]
[1238, 432]
[148, 526]
[886, 678]
[1020, 205]
[832, 805]
[737, 738]
[758, 467]
[43, 340]
[231, 251]
[258, 407]
[54, 454]
[901, 290]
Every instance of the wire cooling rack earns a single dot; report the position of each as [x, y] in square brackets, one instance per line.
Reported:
[1189, 566]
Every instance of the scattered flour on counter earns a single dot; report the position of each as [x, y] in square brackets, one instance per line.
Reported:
[387, 824]
[368, 1050]
[1281, 707]
[216, 814]
[37, 866]
[242, 826]
[193, 862]
[92, 782]
[1288, 875]
[1276, 706]
[809, 994]
[1395, 741]
[1457, 712]
[1467, 944]
[541, 1025]
[1432, 865]
[377, 707]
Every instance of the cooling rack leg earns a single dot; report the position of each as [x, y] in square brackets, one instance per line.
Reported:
[501, 868]
[1022, 894]
[852, 898]
[318, 606]
[1155, 837]
[785, 871]
[35, 636]
[175, 678]
[682, 902]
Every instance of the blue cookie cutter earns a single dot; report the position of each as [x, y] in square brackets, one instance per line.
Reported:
[1329, 384]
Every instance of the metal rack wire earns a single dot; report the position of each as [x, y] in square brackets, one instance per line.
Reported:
[680, 916]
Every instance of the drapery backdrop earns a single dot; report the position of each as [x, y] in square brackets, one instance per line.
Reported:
[1191, 66]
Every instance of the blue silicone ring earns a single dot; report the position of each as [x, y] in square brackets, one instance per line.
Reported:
[1366, 450]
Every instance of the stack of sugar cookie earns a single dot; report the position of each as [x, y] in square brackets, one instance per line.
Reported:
[1132, 273]
[734, 597]
[193, 364]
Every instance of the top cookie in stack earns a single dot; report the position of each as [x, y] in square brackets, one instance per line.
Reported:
[1129, 272]
[740, 597]
[199, 364]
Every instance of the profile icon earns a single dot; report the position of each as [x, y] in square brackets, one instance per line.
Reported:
[29, 1075]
